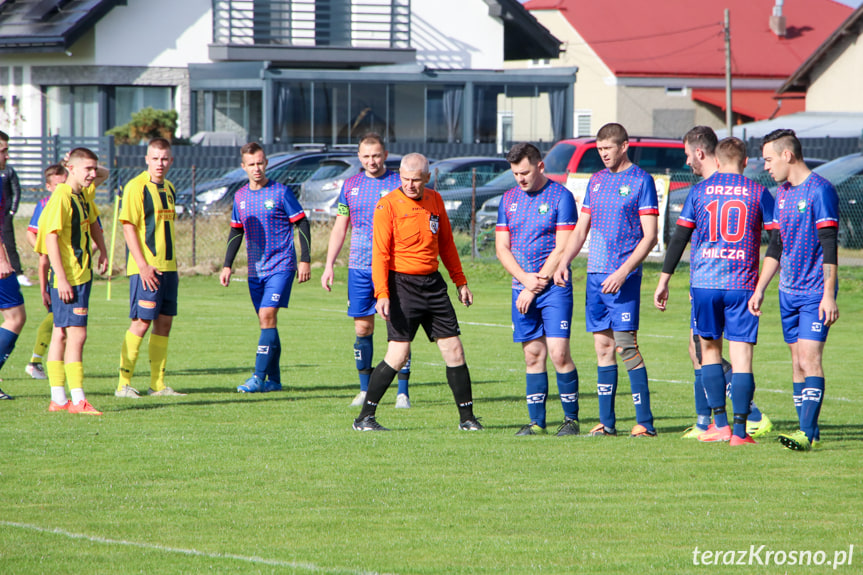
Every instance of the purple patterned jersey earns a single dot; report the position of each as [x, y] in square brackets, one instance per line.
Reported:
[616, 202]
[357, 201]
[533, 220]
[800, 212]
[33, 226]
[727, 212]
[267, 218]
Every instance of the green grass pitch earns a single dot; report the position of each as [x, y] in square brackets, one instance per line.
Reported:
[279, 483]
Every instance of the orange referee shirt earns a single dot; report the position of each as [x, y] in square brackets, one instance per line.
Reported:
[409, 235]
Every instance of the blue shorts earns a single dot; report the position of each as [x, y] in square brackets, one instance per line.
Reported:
[271, 291]
[616, 311]
[800, 317]
[74, 313]
[719, 312]
[361, 293]
[550, 315]
[10, 292]
[148, 305]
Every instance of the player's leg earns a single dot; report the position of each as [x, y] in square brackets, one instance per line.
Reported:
[14, 316]
[142, 304]
[43, 338]
[536, 385]
[380, 380]
[743, 387]
[598, 321]
[702, 408]
[166, 308]
[458, 378]
[361, 307]
[76, 337]
[556, 307]
[810, 353]
[403, 400]
[56, 369]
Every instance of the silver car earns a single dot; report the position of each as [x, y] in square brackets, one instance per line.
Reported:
[319, 194]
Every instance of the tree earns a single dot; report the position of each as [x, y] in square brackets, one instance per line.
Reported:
[145, 125]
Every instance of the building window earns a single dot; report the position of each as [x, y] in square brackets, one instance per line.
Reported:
[72, 111]
[237, 111]
[132, 99]
[582, 123]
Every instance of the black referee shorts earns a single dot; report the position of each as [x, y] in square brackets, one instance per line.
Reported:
[417, 300]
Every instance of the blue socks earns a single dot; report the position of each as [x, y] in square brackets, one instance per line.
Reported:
[274, 374]
[798, 400]
[606, 389]
[713, 379]
[743, 386]
[537, 391]
[7, 344]
[567, 387]
[404, 377]
[813, 395]
[363, 350]
[702, 408]
[262, 360]
[641, 397]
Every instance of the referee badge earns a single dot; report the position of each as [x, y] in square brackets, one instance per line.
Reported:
[624, 191]
[434, 223]
[543, 208]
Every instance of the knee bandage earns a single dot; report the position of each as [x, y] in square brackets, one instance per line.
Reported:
[627, 347]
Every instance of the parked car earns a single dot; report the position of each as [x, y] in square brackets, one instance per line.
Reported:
[216, 197]
[486, 216]
[320, 193]
[754, 170]
[458, 201]
[846, 174]
[653, 155]
[458, 172]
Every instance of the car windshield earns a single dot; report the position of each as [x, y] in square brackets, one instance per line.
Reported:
[329, 171]
[841, 169]
[504, 179]
[557, 159]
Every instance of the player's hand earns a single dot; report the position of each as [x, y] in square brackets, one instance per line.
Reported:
[46, 299]
[149, 277]
[65, 291]
[225, 277]
[6, 269]
[103, 263]
[660, 297]
[828, 311]
[383, 308]
[523, 301]
[561, 276]
[465, 296]
[327, 278]
[535, 282]
[304, 272]
[755, 303]
[614, 282]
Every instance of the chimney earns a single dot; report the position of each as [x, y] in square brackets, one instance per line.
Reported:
[777, 19]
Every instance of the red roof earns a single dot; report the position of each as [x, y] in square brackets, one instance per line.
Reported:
[757, 104]
[685, 38]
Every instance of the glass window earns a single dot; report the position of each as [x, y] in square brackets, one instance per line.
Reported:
[590, 162]
[485, 100]
[557, 159]
[330, 120]
[368, 110]
[131, 99]
[72, 111]
[293, 114]
[659, 160]
[406, 124]
[239, 112]
[444, 113]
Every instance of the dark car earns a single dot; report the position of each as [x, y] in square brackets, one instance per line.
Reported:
[216, 197]
[320, 193]
[846, 174]
[458, 201]
[458, 172]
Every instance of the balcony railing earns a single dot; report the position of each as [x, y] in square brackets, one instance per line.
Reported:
[313, 23]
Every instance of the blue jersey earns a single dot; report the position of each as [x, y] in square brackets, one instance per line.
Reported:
[616, 202]
[800, 212]
[727, 212]
[357, 201]
[33, 226]
[267, 218]
[533, 220]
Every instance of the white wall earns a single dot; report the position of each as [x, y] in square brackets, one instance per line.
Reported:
[837, 84]
[456, 34]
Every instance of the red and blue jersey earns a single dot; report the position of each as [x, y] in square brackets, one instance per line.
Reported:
[33, 226]
[533, 220]
[357, 201]
[727, 213]
[800, 212]
[267, 218]
[616, 202]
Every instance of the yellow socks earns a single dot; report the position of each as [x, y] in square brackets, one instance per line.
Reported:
[43, 338]
[158, 361]
[128, 358]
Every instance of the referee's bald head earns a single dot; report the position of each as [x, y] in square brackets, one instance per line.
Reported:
[414, 161]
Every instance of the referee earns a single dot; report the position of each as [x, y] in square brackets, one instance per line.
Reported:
[411, 229]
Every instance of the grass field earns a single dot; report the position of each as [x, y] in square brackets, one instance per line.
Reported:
[279, 483]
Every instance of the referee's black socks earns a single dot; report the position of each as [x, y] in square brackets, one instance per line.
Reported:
[458, 379]
[379, 382]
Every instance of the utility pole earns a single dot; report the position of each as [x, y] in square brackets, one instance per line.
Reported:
[728, 112]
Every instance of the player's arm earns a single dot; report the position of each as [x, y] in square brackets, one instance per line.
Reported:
[31, 238]
[99, 239]
[102, 174]
[828, 311]
[382, 247]
[235, 240]
[44, 268]
[337, 241]
[533, 283]
[676, 247]
[573, 245]
[64, 288]
[768, 270]
[149, 274]
[16, 191]
[304, 266]
[6, 268]
[561, 236]
[614, 282]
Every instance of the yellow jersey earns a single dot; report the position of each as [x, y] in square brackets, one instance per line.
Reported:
[70, 215]
[150, 208]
